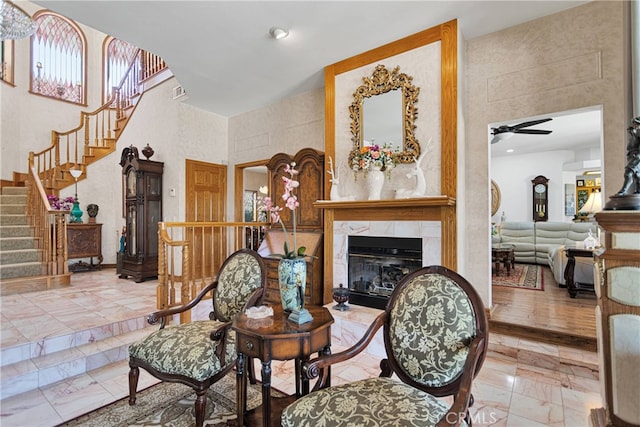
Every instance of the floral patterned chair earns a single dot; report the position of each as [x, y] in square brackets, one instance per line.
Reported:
[201, 352]
[435, 336]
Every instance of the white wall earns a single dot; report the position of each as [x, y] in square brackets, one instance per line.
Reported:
[513, 176]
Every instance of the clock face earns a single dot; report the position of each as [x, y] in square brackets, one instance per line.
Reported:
[540, 188]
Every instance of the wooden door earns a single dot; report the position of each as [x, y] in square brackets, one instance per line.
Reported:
[206, 195]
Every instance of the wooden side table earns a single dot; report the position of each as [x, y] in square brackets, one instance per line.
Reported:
[572, 286]
[276, 338]
[503, 253]
[84, 241]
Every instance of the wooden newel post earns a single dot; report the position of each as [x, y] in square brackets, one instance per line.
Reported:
[617, 285]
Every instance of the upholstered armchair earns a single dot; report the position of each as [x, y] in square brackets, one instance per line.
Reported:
[435, 336]
[199, 353]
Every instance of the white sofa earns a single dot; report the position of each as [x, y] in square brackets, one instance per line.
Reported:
[543, 243]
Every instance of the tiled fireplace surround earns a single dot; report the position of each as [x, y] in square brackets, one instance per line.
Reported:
[428, 231]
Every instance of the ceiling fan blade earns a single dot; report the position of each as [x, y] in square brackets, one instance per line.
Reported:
[531, 123]
[533, 131]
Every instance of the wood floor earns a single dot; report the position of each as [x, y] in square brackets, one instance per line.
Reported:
[548, 316]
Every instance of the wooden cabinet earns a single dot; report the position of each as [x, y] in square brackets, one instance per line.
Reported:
[309, 221]
[272, 245]
[143, 210]
[84, 241]
[310, 165]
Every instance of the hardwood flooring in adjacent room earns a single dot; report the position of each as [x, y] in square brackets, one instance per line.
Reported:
[549, 315]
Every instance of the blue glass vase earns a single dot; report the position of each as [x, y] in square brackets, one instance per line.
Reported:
[292, 278]
[76, 213]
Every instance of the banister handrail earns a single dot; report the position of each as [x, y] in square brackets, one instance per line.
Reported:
[49, 226]
[190, 254]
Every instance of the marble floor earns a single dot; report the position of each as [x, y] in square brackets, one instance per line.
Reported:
[522, 383]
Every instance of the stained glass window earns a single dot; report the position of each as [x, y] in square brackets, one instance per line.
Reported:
[58, 58]
[117, 56]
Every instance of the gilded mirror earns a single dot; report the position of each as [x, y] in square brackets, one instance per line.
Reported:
[391, 89]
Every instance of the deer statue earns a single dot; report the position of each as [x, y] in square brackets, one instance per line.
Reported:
[334, 194]
[421, 182]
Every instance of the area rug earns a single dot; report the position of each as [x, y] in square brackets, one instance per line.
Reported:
[524, 276]
[171, 405]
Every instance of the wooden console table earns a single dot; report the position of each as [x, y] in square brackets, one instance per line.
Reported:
[84, 241]
[572, 286]
[276, 338]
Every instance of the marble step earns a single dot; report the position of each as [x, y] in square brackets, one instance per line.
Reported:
[38, 364]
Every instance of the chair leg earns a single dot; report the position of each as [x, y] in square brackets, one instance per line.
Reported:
[200, 405]
[134, 374]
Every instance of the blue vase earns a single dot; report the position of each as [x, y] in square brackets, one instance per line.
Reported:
[292, 277]
[76, 213]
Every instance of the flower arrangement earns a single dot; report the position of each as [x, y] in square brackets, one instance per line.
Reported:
[374, 157]
[291, 202]
[61, 204]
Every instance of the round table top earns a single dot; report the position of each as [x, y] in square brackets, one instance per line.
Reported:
[279, 325]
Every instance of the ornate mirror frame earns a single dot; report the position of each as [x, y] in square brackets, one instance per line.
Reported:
[382, 81]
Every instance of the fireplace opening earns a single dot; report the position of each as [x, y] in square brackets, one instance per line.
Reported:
[377, 264]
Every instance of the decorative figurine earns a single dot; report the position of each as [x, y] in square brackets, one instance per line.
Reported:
[92, 211]
[621, 200]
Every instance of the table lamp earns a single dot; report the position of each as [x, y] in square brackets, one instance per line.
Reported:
[592, 205]
[76, 212]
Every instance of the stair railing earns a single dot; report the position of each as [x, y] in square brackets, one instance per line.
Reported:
[190, 255]
[49, 226]
[98, 131]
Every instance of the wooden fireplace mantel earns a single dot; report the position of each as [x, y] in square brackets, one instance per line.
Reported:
[439, 208]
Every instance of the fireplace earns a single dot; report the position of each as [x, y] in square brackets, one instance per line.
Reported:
[377, 264]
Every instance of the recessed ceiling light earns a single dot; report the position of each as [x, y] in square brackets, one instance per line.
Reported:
[510, 150]
[278, 33]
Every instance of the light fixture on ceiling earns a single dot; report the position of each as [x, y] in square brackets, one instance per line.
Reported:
[15, 23]
[278, 33]
[503, 136]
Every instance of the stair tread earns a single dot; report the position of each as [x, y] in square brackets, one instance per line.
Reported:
[67, 355]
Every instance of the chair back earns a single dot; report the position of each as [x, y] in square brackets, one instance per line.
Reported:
[241, 274]
[433, 315]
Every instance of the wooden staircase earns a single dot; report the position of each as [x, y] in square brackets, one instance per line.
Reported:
[49, 171]
[97, 134]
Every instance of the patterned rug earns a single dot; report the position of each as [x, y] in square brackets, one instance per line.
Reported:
[524, 276]
[171, 405]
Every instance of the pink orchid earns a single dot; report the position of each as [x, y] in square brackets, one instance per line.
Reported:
[291, 202]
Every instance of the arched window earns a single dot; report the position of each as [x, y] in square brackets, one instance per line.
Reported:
[6, 56]
[58, 58]
[116, 58]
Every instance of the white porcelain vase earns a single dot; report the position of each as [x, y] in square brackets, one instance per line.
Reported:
[375, 182]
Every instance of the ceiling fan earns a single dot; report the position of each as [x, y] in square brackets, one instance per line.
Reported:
[507, 131]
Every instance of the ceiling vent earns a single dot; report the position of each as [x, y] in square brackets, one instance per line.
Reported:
[178, 92]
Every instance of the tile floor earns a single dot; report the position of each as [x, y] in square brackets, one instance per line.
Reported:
[522, 383]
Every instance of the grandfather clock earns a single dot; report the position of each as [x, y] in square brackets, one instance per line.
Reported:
[142, 211]
[540, 198]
